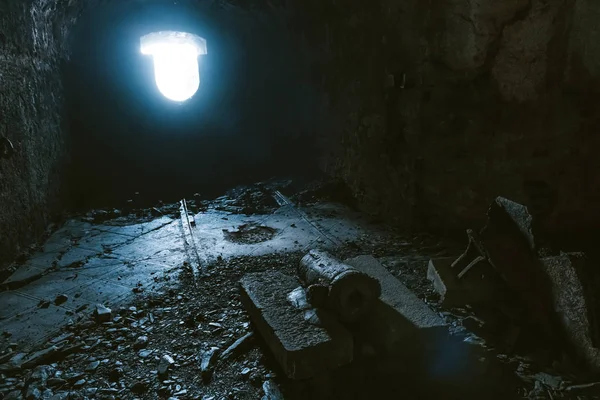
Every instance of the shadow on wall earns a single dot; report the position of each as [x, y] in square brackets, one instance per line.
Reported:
[252, 118]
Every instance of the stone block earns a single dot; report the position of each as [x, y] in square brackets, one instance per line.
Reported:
[574, 303]
[518, 214]
[475, 287]
[400, 323]
[305, 342]
[510, 246]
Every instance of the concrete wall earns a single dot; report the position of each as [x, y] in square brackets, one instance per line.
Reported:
[432, 107]
[500, 98]
[32, 118]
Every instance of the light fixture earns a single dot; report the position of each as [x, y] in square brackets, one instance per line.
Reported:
[175, 57]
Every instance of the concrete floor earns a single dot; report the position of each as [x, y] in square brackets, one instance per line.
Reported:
[108, 264]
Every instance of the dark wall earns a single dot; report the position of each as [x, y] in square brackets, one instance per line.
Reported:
[253, 116]
[500, 98]
[32, 118]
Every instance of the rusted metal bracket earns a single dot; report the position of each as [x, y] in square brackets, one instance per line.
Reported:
[473, 256]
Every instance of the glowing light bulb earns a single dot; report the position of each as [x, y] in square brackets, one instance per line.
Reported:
[175, 57]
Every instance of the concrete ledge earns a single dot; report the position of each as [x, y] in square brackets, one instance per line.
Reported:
[304, 342]
[400, 324]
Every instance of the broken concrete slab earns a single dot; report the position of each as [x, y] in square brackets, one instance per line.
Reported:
[400, 323]
[303, 349]
[41, 357]
[518, 214]
[102, 313]
[24, 274]
[510, 246]
[473, 288]
[574, 302]
[207, 362]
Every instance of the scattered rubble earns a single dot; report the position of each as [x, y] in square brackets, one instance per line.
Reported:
[165, 364]
[556, 305]
[195, 340]
[272, 392]
[207, 363]
[102, 313]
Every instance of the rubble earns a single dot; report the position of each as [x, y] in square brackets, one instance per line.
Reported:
[102, 313]
[192, 323]
[271, 391]
[550, 301]
[92, 366]
[140, 342]
[207, 362]
[40, 357]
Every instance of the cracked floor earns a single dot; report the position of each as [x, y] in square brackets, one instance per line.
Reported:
[83, 264]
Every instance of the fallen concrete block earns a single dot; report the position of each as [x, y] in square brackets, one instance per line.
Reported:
[102, 313]
[518, 214]
[304, 342]
[574, 302]
[510, 246]
[351, 293]
[41, 357]
[272, 391]
[400, 323]
[475, 287]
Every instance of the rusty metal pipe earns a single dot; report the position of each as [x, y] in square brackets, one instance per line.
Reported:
[350, 293]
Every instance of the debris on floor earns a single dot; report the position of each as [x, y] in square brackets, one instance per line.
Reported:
[530, 300]
[110, 308]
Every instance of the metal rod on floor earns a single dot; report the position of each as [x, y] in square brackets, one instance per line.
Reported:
[188, 228]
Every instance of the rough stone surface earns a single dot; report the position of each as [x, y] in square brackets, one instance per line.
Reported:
[509, 247]
[499, 98]
[302, 348]
[400, 322]
[573, 294]
[32, 45]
